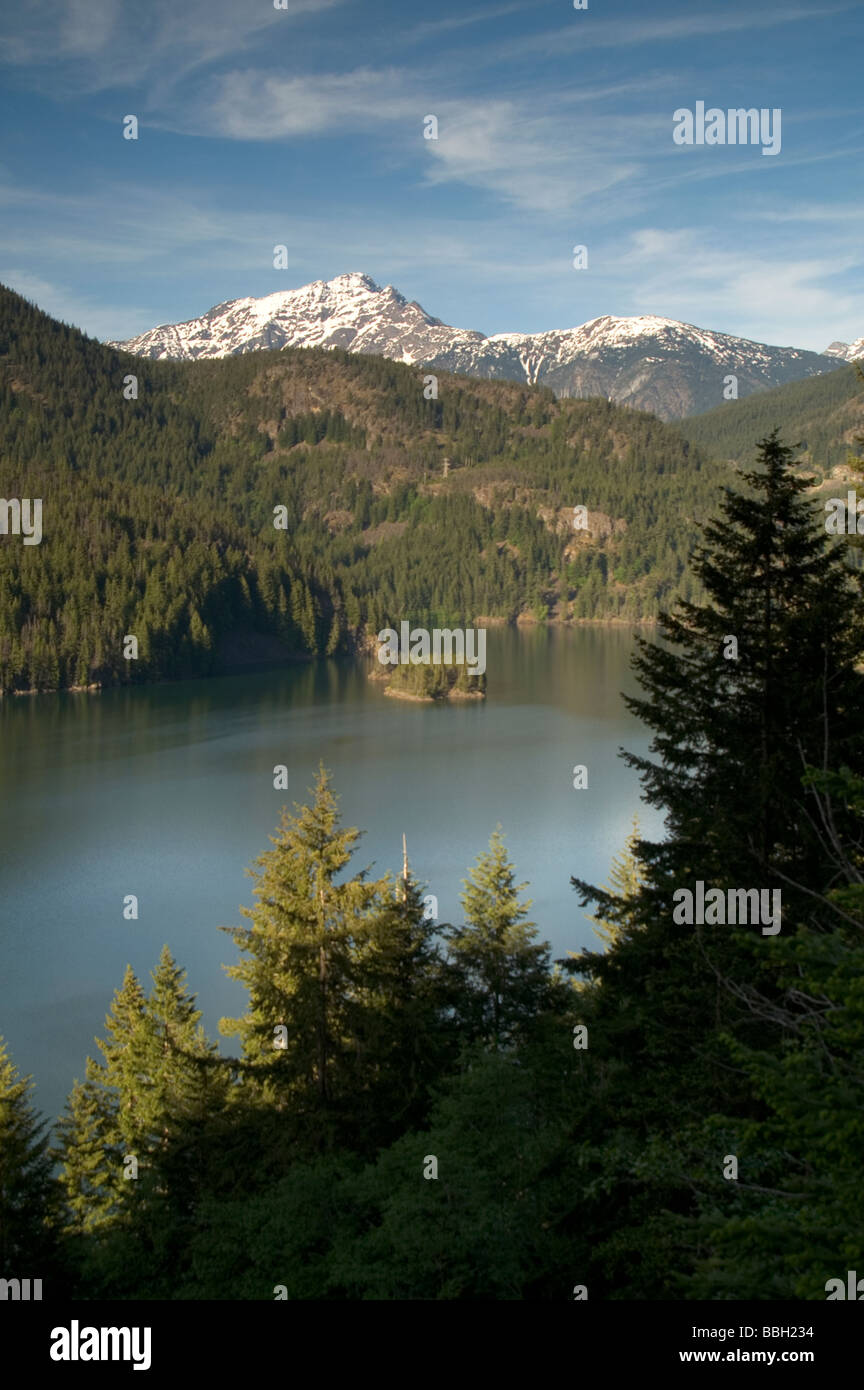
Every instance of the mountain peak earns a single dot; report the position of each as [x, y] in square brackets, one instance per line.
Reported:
[646, 361]
[353, 279]
[846, 352]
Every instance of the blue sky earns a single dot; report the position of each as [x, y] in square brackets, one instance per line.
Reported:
[304, 127]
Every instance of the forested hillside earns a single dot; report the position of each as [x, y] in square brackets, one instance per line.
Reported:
[820, 417]
[159, 515]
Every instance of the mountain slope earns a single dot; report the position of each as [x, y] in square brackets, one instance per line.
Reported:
[824, 415]
[159, 511]
[672, 369]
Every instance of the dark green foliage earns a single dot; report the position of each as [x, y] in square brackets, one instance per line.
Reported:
[278, 1238]
[26, 1188]
[407, 1036]
[734, 735]
[482, 1228]
[796, 1221]
[667, 1003]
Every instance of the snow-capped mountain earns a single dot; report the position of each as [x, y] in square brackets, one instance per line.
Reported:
[846, 352]
[657, 364]
[349, 312]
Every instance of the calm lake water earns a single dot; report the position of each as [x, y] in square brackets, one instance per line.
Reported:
[167, 792]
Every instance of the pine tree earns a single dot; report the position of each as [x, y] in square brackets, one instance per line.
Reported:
[735, 734]
[503, 972]
[26, 1188]
[298, 965]
[155, 1089]
[124, 1071]
[91, 1157]
[186, 1087]
[618, 903]
[625, 880]
[135, 1141]
[334, 641]
[404, 1041]
[106, 1122]
[183, 1085]
[734, 737]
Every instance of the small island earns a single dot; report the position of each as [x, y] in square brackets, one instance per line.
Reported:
[432, 682]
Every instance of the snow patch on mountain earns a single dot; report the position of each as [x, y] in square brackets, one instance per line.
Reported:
[846, 352]
[653, 363]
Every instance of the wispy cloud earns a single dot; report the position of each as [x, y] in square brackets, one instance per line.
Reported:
[86, 46]
[789, 211]
[534, 162]
[550, 163]
[255, 105]
[163, 240]
[626, 33]
[435, 27]
[702, 278]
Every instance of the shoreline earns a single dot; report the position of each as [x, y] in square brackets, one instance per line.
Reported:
[362, 649]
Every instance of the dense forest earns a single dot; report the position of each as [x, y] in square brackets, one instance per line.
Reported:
[427, 1110]
[292, 503]
[821, 418]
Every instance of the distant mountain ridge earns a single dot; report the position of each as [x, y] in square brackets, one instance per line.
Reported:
[847, 352]
[671, 368]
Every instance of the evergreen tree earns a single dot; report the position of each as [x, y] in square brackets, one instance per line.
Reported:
[106, 1131]
[733, 736]
[91, 1157]
[182, 1085]
[626, 877]
[147, 1100]
[503, 972]
[298, 965]
[735, 731]
[124, 1072]
[406, 1041]
[187, 1088]
[618, 903]
[483, 1227]
[26, 1189]
[134, 1142]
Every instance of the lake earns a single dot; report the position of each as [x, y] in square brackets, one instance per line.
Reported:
[166, 792]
